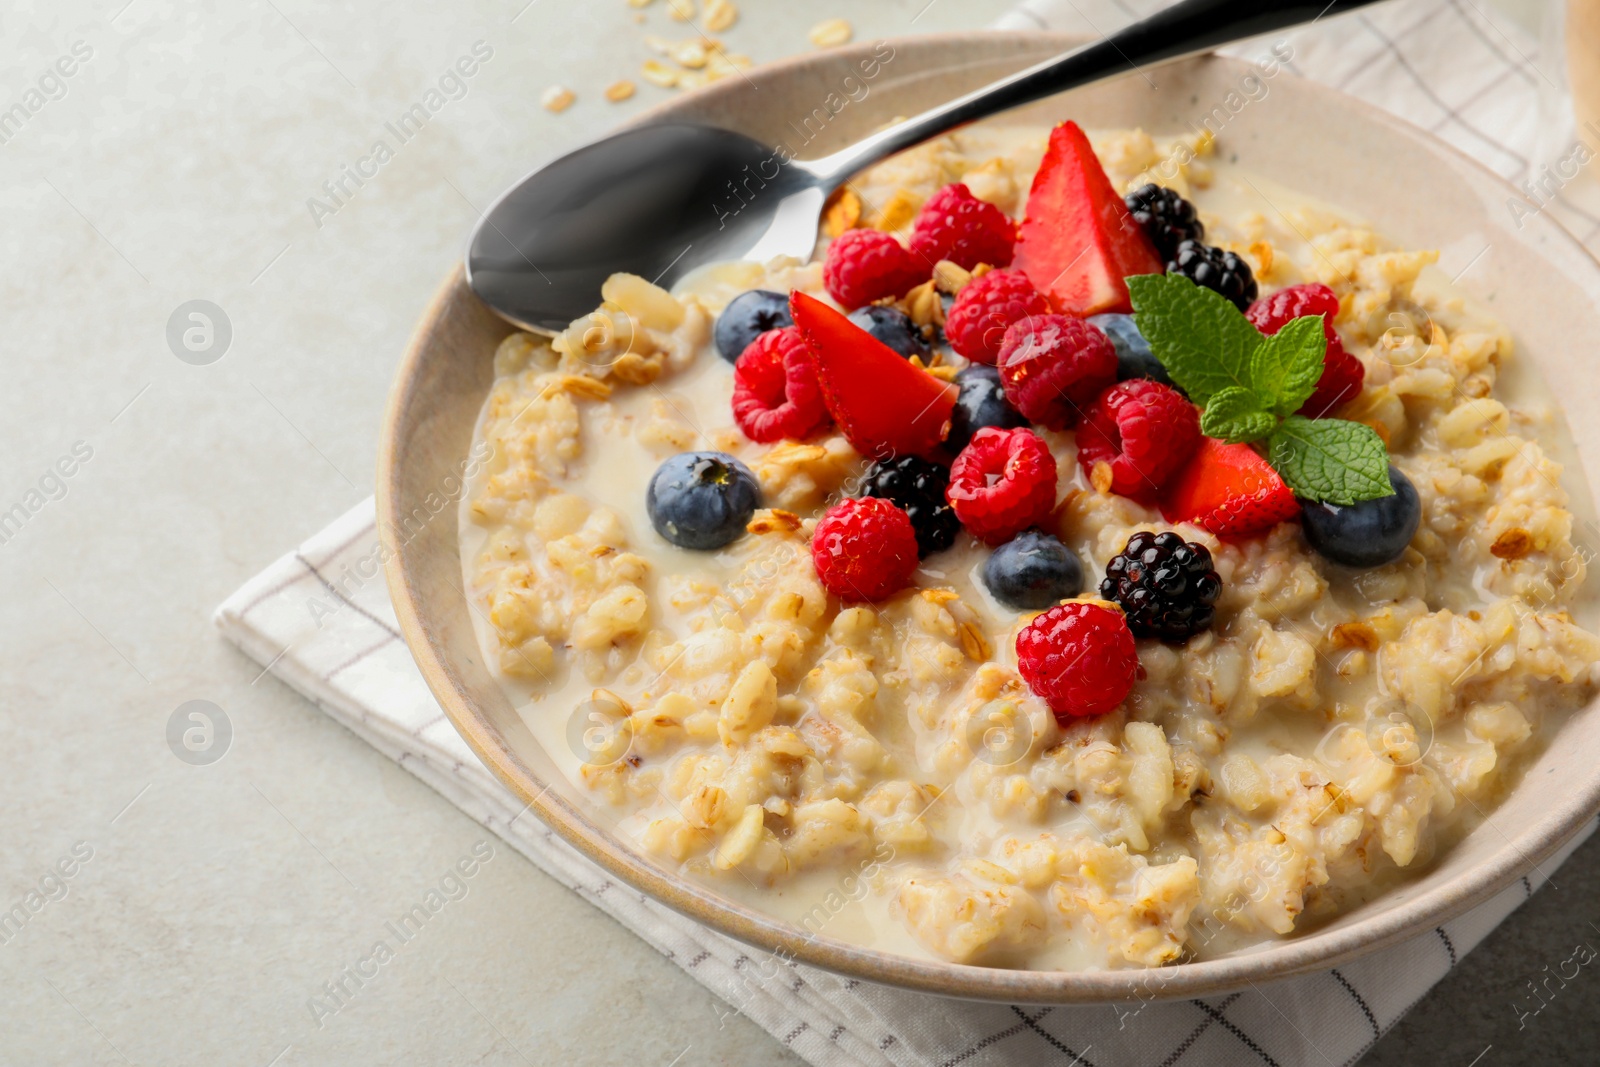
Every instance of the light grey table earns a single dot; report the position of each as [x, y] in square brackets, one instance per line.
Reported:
[182, 160]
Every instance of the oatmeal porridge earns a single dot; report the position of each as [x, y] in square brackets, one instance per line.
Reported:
[1124, 581]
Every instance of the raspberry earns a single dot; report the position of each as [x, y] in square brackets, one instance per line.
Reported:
[957, 226]
[1003, 482]
[1137, 435]
[1342, 373]
[1080, 657]
[1272, 313]
[986, 307]
[864, 549]
[867, 265]
[1166, 585]
[775, 390]
[1053, 366]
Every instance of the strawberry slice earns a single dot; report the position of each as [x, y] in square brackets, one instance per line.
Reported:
[1229, 490]
[1078, 242]
[885, 405]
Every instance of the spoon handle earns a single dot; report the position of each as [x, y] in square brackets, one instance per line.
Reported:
[1183, 29]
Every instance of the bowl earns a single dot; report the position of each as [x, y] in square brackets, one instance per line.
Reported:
[1416, 190]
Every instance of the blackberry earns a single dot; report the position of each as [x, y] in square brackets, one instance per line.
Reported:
[1166, 217]
[1165, 584]
[917, 487]
[1212, 268]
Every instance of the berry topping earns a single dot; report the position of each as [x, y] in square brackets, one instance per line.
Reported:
[1341, 380]
[1136, 437]
[1342, 373]
[1167, 218]
[1165, 584]
[1080, 657]
[986, 307]
[916, 486]
[1004, 481]
[701, 500]
[864, 549]
[1053, 366]
[883, 405]
[1077, 241]
[980, 402]
[957, 226]
[893, 327]
[1229, 490]
[1134, 357]
[1368, 534]
[748, 316]
[1212, 268]
[1032, 571]
[867, 265]
[775, 391]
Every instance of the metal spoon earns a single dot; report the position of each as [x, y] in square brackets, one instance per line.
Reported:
[659, 200]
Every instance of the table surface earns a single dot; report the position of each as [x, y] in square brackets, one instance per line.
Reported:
[208, 905]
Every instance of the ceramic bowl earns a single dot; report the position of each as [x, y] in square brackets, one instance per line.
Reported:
[1414, 189]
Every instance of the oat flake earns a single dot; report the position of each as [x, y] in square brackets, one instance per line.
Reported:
[831, 32]
[557, 98]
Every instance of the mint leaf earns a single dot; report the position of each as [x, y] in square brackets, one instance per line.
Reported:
[1235, 414]
[1334, 460]
[1203, 341]
[1287, 365]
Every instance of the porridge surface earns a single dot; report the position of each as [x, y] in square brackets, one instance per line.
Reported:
[880, 773]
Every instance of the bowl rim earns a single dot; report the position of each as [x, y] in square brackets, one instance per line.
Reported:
[1312, 952]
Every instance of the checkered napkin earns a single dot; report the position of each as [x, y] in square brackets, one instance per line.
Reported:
[320, 619]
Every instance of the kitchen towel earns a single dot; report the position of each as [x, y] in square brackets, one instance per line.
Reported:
[320, 619]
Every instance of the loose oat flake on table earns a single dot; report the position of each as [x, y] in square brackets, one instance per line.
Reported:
[824, 546]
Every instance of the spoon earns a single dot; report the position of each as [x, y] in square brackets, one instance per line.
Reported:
[660, 200]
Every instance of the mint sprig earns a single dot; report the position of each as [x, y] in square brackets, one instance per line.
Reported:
[1234, 414]
[1251, 385]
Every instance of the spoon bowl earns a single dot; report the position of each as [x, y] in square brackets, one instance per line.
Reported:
[655, 201]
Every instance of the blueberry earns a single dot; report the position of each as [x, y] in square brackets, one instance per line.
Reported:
[701, 500]
[1368, 534]
[979, 403]
[748, 316]
[1134, 358]
[893, 327]
[1033, 571]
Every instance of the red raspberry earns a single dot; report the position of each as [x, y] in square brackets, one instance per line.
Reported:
[1140, 433]
[957, 226]
[1053, 366]
[986, 307]
[1003, 482]
[1342, 373]
[867, 265]
[775, 390]
[1080, 657]
[864, 549]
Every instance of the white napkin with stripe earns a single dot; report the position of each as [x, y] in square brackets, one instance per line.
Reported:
[320, 619]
